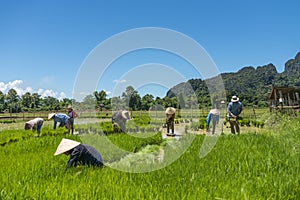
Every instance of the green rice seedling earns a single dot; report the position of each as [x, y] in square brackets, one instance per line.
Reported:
[248, 166]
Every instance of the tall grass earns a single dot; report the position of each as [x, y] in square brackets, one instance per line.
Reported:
[248, 166]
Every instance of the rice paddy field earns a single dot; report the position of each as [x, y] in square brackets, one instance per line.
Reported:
[260, 163]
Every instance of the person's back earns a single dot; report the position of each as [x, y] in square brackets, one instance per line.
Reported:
[85, 155]
[120, 118]
[62, 118]
[235, 108]
[170, 117]
[213, 116]
[80, 154]
[35, 124]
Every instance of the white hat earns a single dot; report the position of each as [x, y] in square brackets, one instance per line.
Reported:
[51, 115]
[125, 114]
[66, 145]
[214, 111]
[234, 99]
[170, 110]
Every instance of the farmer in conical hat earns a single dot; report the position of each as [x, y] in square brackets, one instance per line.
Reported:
[35, 124]
[63, 119]
[170, 117]
[80, 154]
[119, 118]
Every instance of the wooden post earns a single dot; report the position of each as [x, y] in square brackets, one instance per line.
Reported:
[297, 98]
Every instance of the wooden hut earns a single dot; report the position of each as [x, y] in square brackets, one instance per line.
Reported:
[285, 99]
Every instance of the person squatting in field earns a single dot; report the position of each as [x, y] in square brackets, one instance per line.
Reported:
[235, 107]
[80, 154]
[63, 119]
[170, 117]
[119, 119]
[72, 114]
[214, 117]
[35, 124]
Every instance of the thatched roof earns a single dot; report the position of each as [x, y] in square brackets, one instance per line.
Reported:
[284, 91]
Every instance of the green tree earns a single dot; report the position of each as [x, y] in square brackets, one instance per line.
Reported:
[65, 102]
[159, 102]
[26, 100]
[101, 100]
[2, 102]
[147, 101]
[117, 103]
[51, 103]
[36, 101]
[89, 102]
[12, 99]
[131, 98]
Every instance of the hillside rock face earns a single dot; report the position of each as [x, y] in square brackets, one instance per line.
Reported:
[292, 66]
[249, 83]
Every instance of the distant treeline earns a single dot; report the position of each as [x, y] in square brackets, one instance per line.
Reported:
[130, 99]
[251, 85]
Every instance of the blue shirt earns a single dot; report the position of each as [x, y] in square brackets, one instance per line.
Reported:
[235, 108]
[214, 117]
[61, 118]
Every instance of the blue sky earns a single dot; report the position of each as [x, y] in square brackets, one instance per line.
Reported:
[44, 43]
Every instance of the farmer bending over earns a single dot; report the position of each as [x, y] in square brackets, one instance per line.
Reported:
[170, 116]
[119, 118]
[80, 154]
[35, 124]
[63, 119]
[214, 117]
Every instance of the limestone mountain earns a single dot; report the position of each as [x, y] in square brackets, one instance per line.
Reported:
[251, 84]
[292, 66]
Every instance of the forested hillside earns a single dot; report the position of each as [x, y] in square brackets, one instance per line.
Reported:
[251, 84]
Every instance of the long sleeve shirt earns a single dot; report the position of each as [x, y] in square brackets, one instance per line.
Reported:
[234, 108]
[72, 114]
[61, 118]
[212, 115]
[85, 155]
[36, 123]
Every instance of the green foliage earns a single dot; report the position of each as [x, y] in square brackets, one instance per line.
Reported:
[248, 166]
[250, 84]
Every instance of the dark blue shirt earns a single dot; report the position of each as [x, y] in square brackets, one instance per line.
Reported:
[85, 155]
[235, 108]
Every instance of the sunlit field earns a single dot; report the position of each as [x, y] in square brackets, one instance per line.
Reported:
[261, 163]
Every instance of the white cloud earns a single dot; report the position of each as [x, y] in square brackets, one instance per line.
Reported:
[107, 92]
[3, 87]
[15, 83]
[62, 95]
[21, 89]
[46, 93]
[120, 81]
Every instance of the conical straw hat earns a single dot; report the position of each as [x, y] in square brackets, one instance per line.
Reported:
[170, 110]
[51, 115]
[66, 145]
[214, 111]
[125, 114]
